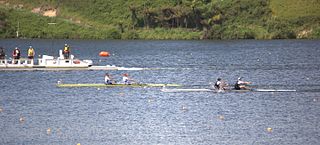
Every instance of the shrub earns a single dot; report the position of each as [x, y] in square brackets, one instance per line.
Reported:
[131, 34]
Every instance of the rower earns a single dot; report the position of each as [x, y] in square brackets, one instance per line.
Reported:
[241, 85]
[220, 84]
[126, 79]
[108, 80]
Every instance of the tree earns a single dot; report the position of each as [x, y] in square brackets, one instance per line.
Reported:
[3, 22]
[149, 17]
[197, 13]
[120, 26]
[134, 18]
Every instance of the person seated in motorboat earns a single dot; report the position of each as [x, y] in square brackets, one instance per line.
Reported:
[108, 80]
[127, 80]
[241, 85]
[220, 85]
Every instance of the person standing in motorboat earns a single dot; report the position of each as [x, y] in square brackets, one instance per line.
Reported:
[31, 52]
[66, 51]
[241, 85]
[16, 55]
[2, 53]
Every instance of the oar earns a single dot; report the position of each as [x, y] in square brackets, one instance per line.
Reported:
[134, 81]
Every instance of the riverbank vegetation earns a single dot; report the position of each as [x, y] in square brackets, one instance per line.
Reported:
[160, 19]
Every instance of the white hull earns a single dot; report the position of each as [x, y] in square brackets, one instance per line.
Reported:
[210, 90]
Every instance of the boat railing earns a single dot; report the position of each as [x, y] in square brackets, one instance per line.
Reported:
[45, 61]
[21, 61]
[56, 61]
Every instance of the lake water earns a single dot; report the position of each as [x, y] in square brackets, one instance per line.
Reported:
[34, 111]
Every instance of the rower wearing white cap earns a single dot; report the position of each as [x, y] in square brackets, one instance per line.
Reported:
[241, 85]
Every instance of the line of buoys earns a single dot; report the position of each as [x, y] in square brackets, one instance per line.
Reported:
[48, 131]
[269, 129]
[59, 131]
[21, 119]
[184, 108]
[221, 117]
[150, 100]
[104, 54]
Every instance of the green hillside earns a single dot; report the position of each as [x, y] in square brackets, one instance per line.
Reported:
[289, 9]
[30, 25]
[301, 15]
[161, 19]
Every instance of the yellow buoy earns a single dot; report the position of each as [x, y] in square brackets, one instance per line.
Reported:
[269, 129]
[78, 144]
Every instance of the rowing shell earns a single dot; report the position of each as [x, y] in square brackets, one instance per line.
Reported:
[117, 85]
[210, 90]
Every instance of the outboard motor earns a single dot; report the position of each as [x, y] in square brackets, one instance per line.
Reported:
[89, 62]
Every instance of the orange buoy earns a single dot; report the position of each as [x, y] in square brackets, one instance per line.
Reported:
[104, 54]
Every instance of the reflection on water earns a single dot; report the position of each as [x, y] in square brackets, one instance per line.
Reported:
[34, 111]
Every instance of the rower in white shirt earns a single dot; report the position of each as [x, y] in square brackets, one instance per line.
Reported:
[108, 80]
[241, 85]
[127, 80]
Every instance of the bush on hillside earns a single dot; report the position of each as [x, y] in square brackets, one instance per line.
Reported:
[280, 29]
[316, 33]
[131, 34]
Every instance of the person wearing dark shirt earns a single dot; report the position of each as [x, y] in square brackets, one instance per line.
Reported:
[2, 53]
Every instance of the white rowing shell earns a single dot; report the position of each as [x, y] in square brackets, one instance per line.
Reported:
[209, 90]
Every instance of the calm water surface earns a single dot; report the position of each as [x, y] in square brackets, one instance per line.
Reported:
[52, 115]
